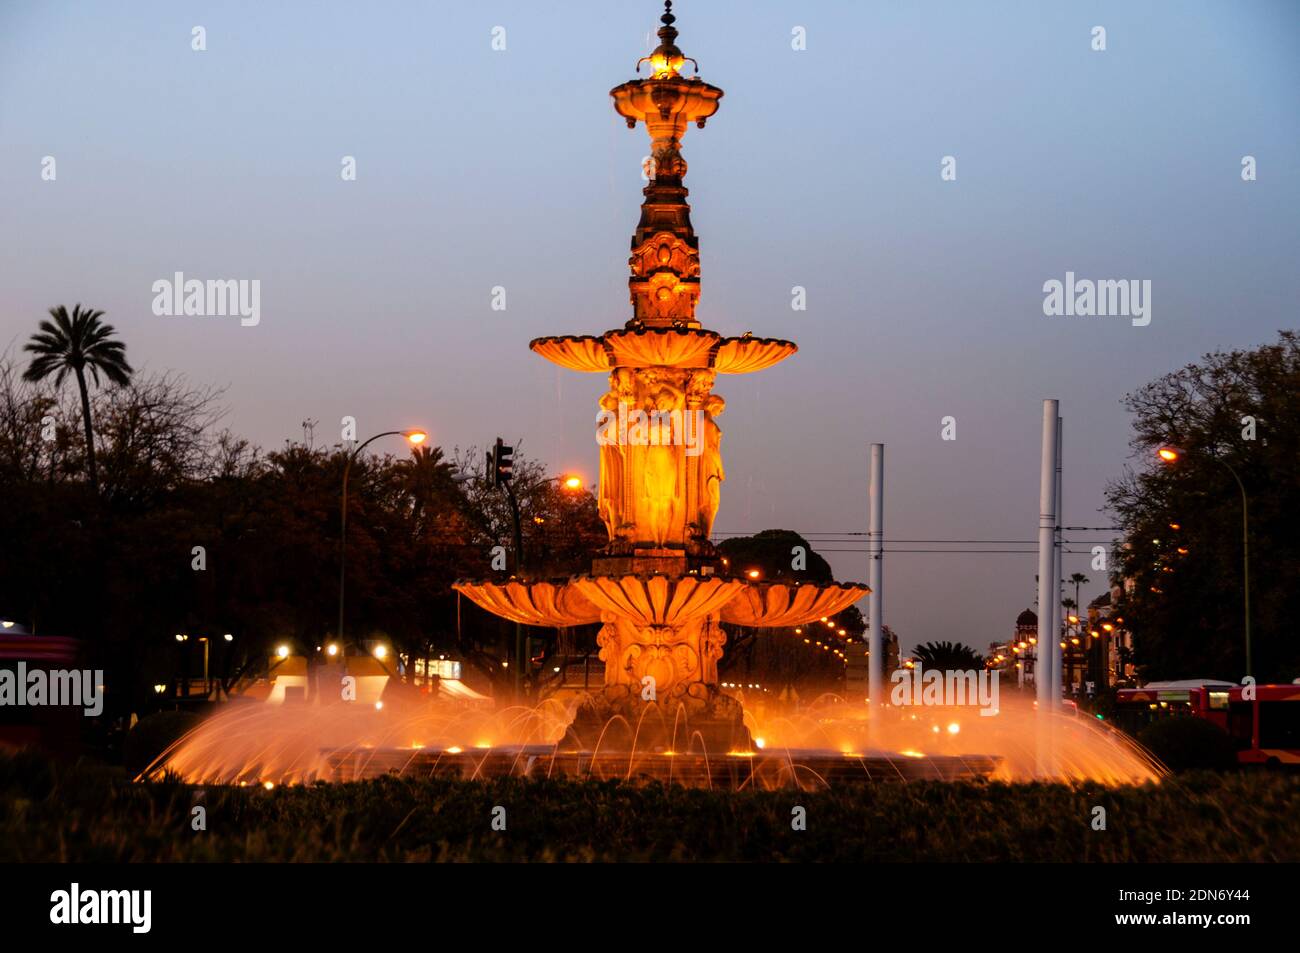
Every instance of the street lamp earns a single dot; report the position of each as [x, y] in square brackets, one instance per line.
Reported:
[571, 483]
[1170, 454]
[414, 438]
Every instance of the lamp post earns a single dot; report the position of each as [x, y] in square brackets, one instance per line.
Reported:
[1171, 454]
[571, 483]
[413, 437]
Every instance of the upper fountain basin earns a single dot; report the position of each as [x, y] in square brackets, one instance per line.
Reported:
[663, 347]
[661, 600]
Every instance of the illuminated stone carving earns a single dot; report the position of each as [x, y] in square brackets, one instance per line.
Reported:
[660, 590]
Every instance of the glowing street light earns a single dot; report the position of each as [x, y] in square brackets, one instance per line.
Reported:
[414, 437]
[1170, 454]
[282, 651]
[569, 483]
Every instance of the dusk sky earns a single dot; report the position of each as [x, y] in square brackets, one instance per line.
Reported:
[479, 168]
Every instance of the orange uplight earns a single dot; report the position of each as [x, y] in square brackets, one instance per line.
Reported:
[573, 482]
[1169, 454]
[752, 574]
[416, 437]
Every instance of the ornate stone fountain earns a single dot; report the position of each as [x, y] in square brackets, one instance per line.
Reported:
[660, 589]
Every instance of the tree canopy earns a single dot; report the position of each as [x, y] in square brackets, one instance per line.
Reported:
[1180, 556]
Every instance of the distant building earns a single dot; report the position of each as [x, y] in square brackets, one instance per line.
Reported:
[1111, 661]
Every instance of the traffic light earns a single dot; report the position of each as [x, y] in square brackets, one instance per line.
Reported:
[500, 464]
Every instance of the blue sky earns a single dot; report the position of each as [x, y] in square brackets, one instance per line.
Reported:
[478, 168]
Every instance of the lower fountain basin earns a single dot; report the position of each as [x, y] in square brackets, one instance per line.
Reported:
[802, 768]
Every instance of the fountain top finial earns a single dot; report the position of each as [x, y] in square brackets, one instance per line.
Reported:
[667, 60]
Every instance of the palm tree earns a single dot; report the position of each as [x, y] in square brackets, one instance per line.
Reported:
[1079, 579]
[77, 343]
[948, 656]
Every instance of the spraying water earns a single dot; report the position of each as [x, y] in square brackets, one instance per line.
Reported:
[823, 744]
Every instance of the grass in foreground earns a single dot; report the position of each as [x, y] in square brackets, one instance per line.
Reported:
[85, 813]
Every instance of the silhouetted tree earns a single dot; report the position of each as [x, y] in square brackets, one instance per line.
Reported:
[77, 343]
[948, 656]
[1179, 559]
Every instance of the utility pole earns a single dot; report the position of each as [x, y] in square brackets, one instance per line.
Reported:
[875, 576]
[1047, 586]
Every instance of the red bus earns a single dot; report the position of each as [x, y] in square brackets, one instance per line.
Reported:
[1135, 708]
[50, 727]
[1266, 729]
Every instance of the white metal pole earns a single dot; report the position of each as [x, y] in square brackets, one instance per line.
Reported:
[1058, 611]
[875, 576]
[1046, 556]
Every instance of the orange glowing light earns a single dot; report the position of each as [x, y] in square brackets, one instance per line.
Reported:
[573, 482]
[1169, 454]
[416, 437]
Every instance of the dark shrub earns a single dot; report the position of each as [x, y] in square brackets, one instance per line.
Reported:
[151, 736]
[1187, 744]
